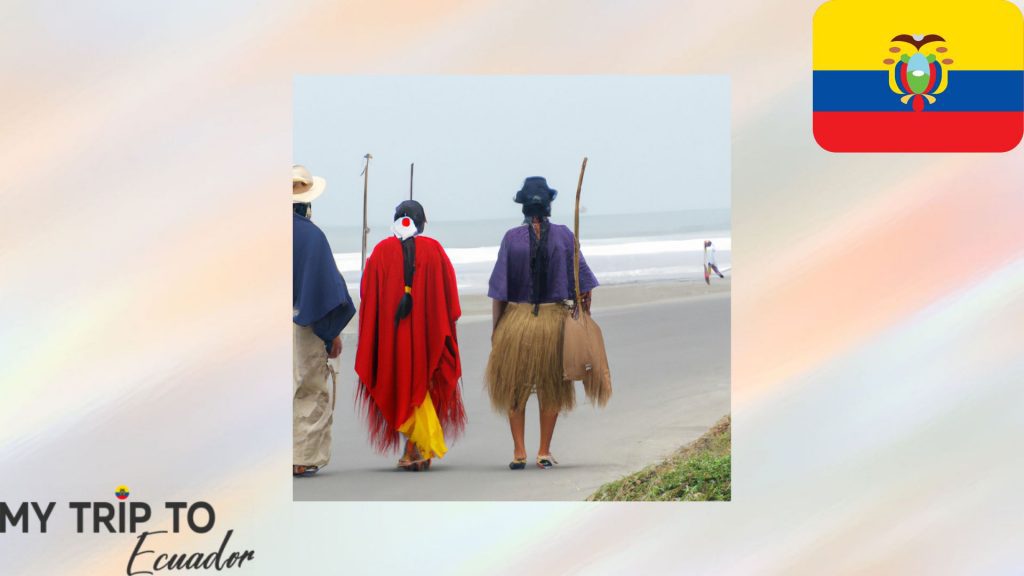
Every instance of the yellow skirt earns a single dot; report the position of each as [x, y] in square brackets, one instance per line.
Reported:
[424, 429]
[526, 356]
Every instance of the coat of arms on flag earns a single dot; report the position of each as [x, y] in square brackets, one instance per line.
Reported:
[918, 76]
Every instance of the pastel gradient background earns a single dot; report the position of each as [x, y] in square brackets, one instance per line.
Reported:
[144, 338]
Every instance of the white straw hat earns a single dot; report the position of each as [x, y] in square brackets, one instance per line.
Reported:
[310, 187]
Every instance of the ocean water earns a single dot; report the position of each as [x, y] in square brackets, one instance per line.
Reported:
[620, 249]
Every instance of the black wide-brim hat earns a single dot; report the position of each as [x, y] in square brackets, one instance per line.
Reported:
[535, 191]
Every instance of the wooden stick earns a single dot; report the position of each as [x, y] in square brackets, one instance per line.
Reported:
[366, 230]
[412, 167]
[576, 234]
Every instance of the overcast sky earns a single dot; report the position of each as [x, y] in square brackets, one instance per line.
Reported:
[654, 143]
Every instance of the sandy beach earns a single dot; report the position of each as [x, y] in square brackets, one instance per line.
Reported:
[475, 306]
[669, 349]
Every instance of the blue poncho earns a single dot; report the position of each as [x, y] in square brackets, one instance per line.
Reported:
[319, 296]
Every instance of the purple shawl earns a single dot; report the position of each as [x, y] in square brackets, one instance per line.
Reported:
[510, 280]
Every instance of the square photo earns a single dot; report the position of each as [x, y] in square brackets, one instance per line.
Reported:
[511, 288]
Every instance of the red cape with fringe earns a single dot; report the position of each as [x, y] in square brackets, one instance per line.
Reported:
[398, 365]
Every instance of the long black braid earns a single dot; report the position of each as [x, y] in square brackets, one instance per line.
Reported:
[408, 269]
[538, 264]
[410, 209]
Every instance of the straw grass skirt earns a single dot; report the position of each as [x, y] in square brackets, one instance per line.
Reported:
[526, 356]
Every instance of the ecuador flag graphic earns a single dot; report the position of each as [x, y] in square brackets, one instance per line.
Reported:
[918, 76]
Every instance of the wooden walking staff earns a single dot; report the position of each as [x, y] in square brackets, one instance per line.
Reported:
[576, 237]
[366, 229]
[412, 167]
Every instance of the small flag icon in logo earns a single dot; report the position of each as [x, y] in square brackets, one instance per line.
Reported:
[915, 76]
[121, 492]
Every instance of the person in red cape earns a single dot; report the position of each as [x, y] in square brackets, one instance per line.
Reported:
[408, 357]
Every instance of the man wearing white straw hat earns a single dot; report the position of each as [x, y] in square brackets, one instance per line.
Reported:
[321, 307]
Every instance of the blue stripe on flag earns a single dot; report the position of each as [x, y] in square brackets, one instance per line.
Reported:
[968, 91]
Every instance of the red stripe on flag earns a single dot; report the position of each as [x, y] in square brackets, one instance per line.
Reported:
[918, 131]
[931, 78]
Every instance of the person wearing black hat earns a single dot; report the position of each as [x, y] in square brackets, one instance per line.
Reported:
[530, 284]
[408, 357]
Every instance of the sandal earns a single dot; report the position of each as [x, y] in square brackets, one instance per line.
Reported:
[414, 465]
[411, 460]
[546, 462]
[304, 471]
[517, 464]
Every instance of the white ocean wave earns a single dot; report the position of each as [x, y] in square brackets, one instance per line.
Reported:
[613, 261]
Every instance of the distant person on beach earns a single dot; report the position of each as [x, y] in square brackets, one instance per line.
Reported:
[709, 262]
[531, 280]
[408, 356]
[321, 308]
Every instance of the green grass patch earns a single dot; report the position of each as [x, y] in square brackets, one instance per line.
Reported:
[700, 471]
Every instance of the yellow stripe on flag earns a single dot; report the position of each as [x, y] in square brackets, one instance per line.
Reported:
[980, 34]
